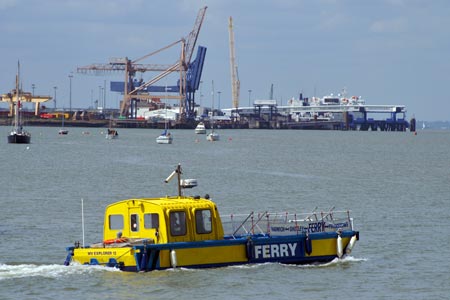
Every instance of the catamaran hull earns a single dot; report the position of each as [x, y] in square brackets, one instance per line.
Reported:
[298, 249]
[19, 139]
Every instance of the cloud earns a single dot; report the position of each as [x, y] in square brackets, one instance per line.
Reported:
[397, 25]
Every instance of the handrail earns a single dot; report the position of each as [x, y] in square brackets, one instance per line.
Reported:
[242, 224]
[286, 223]
[257, 221]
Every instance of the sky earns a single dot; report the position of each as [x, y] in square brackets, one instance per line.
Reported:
[394, 52]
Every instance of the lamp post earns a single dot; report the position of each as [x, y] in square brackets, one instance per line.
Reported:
[32, 87]
[99, 96]
[249, 94]
[201, 95]
[218, 93]
[70, 94]
[54, 99]
[104, 94]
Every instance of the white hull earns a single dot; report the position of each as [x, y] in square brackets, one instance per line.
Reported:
[164, 139]
[200, 129]
[111, 137]
[212, 137]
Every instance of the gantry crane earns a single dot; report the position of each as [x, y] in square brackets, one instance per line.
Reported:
[11, 98]
[235, 83]
[134, 90]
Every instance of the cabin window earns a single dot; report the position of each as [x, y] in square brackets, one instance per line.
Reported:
[115, 222]
[203, 221]
[177, 223]
[151, 221]
[134, 222]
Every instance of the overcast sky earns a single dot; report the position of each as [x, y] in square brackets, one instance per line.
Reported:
[387, 51]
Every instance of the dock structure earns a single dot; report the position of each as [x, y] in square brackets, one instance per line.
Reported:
[353, 117]
[266, 114]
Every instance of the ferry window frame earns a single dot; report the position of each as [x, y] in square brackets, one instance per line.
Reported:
[134, 222]
[116, 222]
[151, 221]
[177, 221]
[203, 221]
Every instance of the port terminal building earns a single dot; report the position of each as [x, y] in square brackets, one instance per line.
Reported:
[325, 113]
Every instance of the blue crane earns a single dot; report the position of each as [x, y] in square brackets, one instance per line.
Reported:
[134, 90]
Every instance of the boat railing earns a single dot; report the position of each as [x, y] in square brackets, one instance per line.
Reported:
[285, 223]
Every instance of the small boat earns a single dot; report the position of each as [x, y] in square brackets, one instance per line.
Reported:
[18, 135]
[212, 136]
[200, 129]
[146, 234]
[164, 138]
[111, 133]
[63, 131]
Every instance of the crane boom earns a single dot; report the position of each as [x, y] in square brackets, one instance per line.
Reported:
[193, 35]
[131, 67]
[233, 68]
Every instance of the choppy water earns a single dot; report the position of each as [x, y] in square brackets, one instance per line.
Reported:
[396, 184]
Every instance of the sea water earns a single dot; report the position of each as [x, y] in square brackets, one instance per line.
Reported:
[396, 185]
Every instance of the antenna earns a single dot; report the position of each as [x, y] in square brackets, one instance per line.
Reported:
[82, 218]
[182, 183]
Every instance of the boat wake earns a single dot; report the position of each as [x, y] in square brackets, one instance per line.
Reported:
[348, 260]
[335, 262]
[8, 271]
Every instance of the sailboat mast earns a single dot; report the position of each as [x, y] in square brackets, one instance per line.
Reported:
[212, 114]
[17, 107]
[166, 120]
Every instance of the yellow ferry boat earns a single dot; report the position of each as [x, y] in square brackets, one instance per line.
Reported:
[182, 231]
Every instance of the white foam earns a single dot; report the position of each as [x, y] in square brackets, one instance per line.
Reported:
[48, 271]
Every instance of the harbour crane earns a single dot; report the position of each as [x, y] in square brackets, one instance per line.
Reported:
[11, 98]
[135, 91]
[235, 83]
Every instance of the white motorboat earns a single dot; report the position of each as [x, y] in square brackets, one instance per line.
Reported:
[200, 129]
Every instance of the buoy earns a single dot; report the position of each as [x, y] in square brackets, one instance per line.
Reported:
[173, 258]
[351, 244]
[339, 247]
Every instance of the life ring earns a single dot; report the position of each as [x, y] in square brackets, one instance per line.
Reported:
[115, 241]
